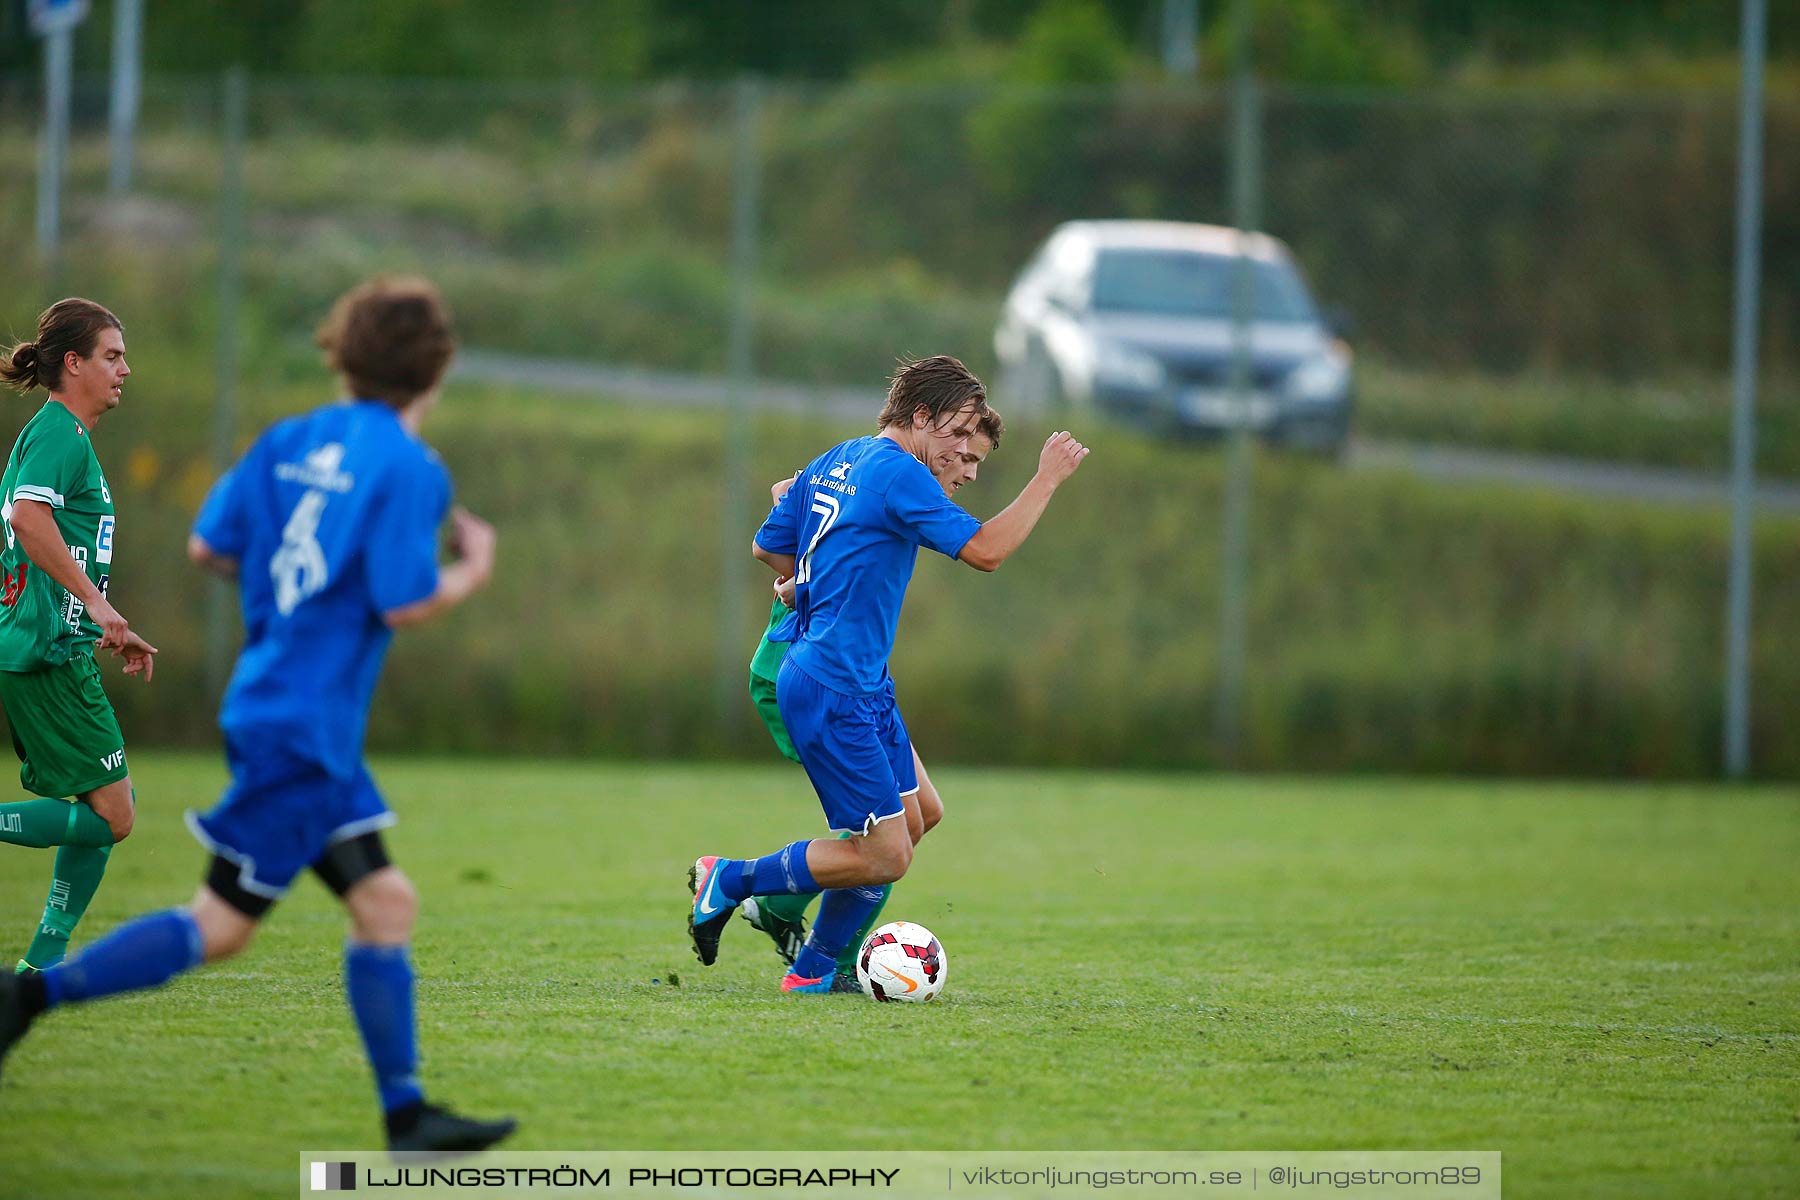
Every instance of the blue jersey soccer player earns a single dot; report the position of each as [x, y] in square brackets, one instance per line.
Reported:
[783, 916]
[330, 524]
[849, 533]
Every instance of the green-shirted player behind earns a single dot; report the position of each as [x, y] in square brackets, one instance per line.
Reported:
[58, 522]
[783, 917]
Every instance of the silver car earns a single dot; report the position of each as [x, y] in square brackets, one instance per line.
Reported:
[1134, 318]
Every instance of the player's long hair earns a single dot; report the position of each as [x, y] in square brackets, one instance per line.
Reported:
[71, 324]
[390, 338]
[940, 384]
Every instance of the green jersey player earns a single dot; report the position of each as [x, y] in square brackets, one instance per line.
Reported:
[54, 567]
[783, 917]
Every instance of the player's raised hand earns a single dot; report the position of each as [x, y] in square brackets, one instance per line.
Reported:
[784, 590]
[139, 655]
[472, 540]
[1061, 455]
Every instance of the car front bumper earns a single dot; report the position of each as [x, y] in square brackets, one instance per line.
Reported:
[1219, 409]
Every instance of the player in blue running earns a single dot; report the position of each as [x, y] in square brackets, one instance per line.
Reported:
[333, 518]
[849, 533]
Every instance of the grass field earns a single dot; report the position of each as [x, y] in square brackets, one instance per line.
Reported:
[1602, 982]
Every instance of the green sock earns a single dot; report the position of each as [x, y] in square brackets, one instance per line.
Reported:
[46, 823]
[72, 887]
[847, 958]
[785, 907]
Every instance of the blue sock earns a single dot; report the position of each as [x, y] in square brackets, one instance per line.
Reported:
[842, 912]
[379, 982]
[144, 953]
[784, 871]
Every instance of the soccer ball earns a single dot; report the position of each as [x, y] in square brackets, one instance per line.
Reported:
[902, 961]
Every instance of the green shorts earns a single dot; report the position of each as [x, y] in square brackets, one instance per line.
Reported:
[63, 728]
[762, 694]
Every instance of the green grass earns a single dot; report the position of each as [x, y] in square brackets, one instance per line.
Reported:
[1598, 981]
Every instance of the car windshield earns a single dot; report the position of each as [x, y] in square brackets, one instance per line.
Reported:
[1184, 283]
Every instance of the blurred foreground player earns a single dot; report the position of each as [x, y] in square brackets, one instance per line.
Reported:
[330, 524]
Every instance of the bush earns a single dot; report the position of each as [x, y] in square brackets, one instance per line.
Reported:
[1396, 625]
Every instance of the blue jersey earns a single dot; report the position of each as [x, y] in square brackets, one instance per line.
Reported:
[855, 522]
[333, 518]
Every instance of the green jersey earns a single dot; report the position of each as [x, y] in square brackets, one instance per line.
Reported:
[765, 665]
[766, 662]
[53, 462]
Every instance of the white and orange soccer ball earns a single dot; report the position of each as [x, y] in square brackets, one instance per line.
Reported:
[902, 961]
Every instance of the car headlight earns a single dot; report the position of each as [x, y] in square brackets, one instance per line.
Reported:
[1320, 378]
[1118, 365]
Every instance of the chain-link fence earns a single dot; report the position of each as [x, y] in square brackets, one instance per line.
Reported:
[1535, 276]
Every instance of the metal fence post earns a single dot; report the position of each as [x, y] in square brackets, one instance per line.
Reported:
[53, 149]
[734, 563]
[235, 94]
[1180, 37]
[1743, 393]
[127, 79]
[1234, 573]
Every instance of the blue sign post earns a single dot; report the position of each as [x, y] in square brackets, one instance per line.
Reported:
[55, 16]
[55, 22]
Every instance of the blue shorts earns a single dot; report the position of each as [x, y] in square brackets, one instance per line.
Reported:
[282, 812]
[855, 749]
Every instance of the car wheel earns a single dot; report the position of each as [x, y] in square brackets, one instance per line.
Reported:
[1325, 440]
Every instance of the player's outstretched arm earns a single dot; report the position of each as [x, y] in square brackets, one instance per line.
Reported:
[998, 537]
[35, 526]
[472, 541]
[201, 554]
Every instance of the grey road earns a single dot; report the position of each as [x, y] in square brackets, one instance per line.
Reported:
[1658, 485]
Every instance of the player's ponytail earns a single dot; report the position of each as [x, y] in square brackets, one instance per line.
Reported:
[71, 324]
[18, 367]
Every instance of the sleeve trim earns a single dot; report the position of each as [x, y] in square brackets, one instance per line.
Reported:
[43, 495]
